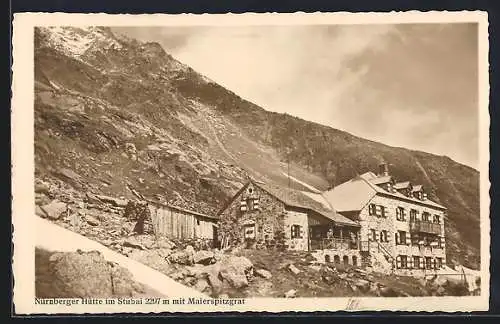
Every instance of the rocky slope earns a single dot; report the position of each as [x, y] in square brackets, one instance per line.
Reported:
[114, 115]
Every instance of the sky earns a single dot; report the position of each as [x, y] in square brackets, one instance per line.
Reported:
[407, 85]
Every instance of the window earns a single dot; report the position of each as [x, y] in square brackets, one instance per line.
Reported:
[402, 238]
[296, 231]
[436, 219]
[250, 204]
[440, 242]
[426, 216]
[428, 262]
[404, 262]
[400, 214]
[249, 231]
[380, 211]
[383, 236]
[372, 235]
[401, 262]
[413, 215]
[376, 210]
[416, 261]
[439, 263]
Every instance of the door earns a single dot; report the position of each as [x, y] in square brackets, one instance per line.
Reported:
[215, 236]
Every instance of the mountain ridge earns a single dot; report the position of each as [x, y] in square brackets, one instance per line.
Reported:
[157, 125]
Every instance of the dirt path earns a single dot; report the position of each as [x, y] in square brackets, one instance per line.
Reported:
[52, 237]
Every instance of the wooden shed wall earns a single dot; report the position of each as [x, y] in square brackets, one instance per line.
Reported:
[175, 223]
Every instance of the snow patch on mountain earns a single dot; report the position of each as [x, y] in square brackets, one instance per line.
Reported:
[75, 41]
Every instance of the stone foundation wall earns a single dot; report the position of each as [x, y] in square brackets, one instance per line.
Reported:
[337, 256]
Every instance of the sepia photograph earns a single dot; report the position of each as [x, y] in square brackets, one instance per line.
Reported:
[319, 160]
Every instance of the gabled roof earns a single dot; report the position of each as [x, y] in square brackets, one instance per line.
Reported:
[402, 185]
[301, 199]
[381, 180]
[306, 200]
[417, 188]
[354, 194]
[351, 195]
[367, 178]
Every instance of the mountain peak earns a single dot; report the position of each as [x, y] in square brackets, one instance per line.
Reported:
[76, 41]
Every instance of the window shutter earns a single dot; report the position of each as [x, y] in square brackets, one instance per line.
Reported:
[256, 203]
[408, 239]
[422, 264]
[243, 205]
[398, 212]
[378, 210]
[398, 262]
[301, 232]
[396, 235]
[370, 209]
[370, 235]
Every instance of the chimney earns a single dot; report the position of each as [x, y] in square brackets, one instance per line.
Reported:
[383, 169]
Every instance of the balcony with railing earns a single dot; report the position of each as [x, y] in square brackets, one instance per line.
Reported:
[334, 244]
[425, 227]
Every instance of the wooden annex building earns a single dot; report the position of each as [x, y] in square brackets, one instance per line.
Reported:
[171, 221]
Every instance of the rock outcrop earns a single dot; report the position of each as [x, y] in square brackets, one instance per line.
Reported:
[83, 274]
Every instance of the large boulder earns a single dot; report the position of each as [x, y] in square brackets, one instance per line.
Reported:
[362, 285]
[203, 257]
[41, 187]
[152, 258]
[181, 257]
[40, 212]
[132, 242]
[41, 199]
[87, 274]
[236, 270]
[54, 209]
